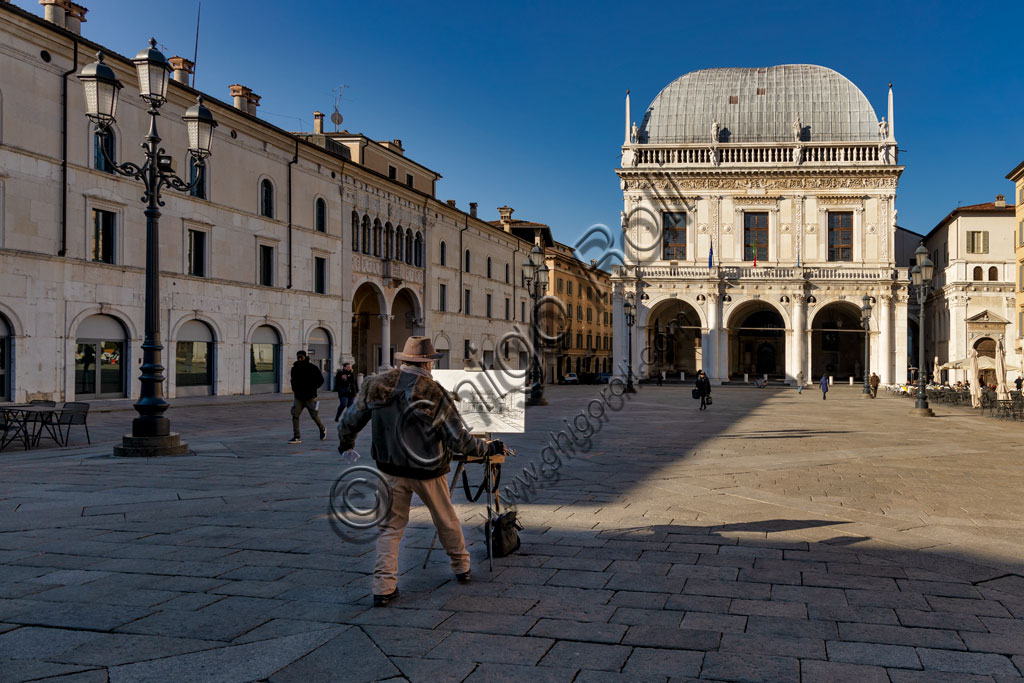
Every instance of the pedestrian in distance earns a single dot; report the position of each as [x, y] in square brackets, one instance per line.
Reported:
[703, 389]
[416, 429]
[873, 383]
[306, 379]
[346, 388]
[661, 377]
[1019, 382]
[800, 379]
[824, 387]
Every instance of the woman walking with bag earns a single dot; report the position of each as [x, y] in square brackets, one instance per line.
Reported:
[824, 387]
[703, 389]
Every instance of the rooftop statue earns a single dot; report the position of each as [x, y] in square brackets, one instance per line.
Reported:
[883, 129]
[634, 133]
[716, 130]
[798, 128]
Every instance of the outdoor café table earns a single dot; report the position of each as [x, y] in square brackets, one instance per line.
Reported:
[28, 422]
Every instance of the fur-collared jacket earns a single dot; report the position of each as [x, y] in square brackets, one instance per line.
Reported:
[416, 427]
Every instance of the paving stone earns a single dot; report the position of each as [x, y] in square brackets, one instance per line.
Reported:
[1000, 643]
[34, 669]
[483, 647]
[639, 599]
[579, 579]
[78, 615]
[741, 667]
[580, 655]
[276, 628]
[853, 613]
[482, 622]
[241, 663]
[901, 635]
[646, 663]
[90, 676]
[651, 617]
[785, 646]
[31, 642]
[418, 670]
[644, 583]
[511, 673]
[988, 608]
[874, 654]
[527, 575]
[805, 594]
[932, 676]
[564, 629]
[725, 623]
[401, 641]
[201, 625]
[893, 599]
[831, 580]
[490, 604]
[796, 628]
[966, 662]
[115, 648]
[579, 563]
[839, 672]
[671, 638]
[768, 608]
[698, 603]
[728, 589]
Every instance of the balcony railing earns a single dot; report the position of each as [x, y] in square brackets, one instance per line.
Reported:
[804, 153]
[396, 271]
[730, 272]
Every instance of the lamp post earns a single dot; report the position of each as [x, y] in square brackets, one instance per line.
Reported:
[921, 278]
[151, 430]
[536, 274]
[629, 307]
[865, 321]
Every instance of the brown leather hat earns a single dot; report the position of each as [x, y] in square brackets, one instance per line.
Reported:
[418, 350]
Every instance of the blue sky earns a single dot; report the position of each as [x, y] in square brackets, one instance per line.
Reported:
[522, 103]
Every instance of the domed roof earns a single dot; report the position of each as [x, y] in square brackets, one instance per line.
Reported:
[760, 105]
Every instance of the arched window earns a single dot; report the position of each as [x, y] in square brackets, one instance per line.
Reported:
[266, 198]
[506, 274]
[465, 266]
[488, 266]
[366, 234]
[376, 236]
[320, 215]
[993, 274]
[419, 250]
[355, 232]
[103, 141]
[389, 240]
[196, 171]
[400, 244]
[444, 253]
[408, 246]
[979, 274]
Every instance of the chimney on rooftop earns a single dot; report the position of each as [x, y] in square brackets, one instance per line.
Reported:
[65, 14]
[505, 212]
[318, 122]
[1000, 201]
[240, 95]
[472, 209]
[74, 17]
[451, 203]
[183, 69]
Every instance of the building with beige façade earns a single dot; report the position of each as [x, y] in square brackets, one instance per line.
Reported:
[758, 210]
[1016, 176]
[326, 241]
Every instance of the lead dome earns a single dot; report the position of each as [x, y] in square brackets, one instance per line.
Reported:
[760, 105]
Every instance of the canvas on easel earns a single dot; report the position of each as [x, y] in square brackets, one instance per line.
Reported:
[489, 401]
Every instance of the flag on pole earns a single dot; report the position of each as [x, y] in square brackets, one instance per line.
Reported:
[711, 253]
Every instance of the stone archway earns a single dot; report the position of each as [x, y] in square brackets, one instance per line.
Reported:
[986, 348]
[405, 318]
[837, 342]
[367, 309]
[757, 341]
[673, 340]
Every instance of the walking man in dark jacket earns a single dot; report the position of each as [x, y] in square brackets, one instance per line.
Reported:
[306, 379]
[416, 428]
[703, 389]
[823, 383]
[345, 386]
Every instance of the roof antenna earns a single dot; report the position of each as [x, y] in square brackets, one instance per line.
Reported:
[195, 54]
[336, 117]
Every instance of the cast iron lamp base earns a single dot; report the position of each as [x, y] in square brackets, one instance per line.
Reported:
[922, 412]
[150, 446]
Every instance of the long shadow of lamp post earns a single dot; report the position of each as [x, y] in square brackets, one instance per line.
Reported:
[535, 271]
[921, 278]
[865, 321]
[151, 430]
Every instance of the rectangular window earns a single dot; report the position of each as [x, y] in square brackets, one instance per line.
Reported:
[840, 235]
[467, 349]
[392, 172]
[199, 189]
[755, 236]
[319, 275]
[466, 308]
[103, 151]
[579, 313]
[1020, 324]
[977, 241]
[442, 297]
[408, 179]
[568, 287]
[197, 253]
[568, 310]
[561, 283]
[590, 293]
[673, 238]
[103, 235]
[590, 341]
[508, 308]
[1020, 233]
[522, 311]
[489, 298]
[590, 315]
[266, 265]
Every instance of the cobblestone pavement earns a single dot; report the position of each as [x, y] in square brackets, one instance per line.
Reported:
[776, 537]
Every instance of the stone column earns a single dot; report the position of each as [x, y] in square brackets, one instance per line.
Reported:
[900, 339]
[385, 342]
[711, 351]
[799, 335]
[885, 338]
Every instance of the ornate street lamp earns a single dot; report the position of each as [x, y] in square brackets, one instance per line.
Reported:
[921, 278]
[535, 270]
[629, 307]
[151, 430]
[865, 321]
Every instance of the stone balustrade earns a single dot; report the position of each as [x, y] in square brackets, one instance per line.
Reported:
[768, 272]
[804, 153]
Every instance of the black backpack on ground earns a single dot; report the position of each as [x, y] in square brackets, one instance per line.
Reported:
[504, 534]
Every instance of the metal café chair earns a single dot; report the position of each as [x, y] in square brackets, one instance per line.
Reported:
[43, 422]
[73, 413]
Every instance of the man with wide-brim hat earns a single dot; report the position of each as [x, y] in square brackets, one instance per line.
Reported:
[415, 430]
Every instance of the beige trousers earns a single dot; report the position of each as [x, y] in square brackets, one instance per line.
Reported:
[435, 495]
